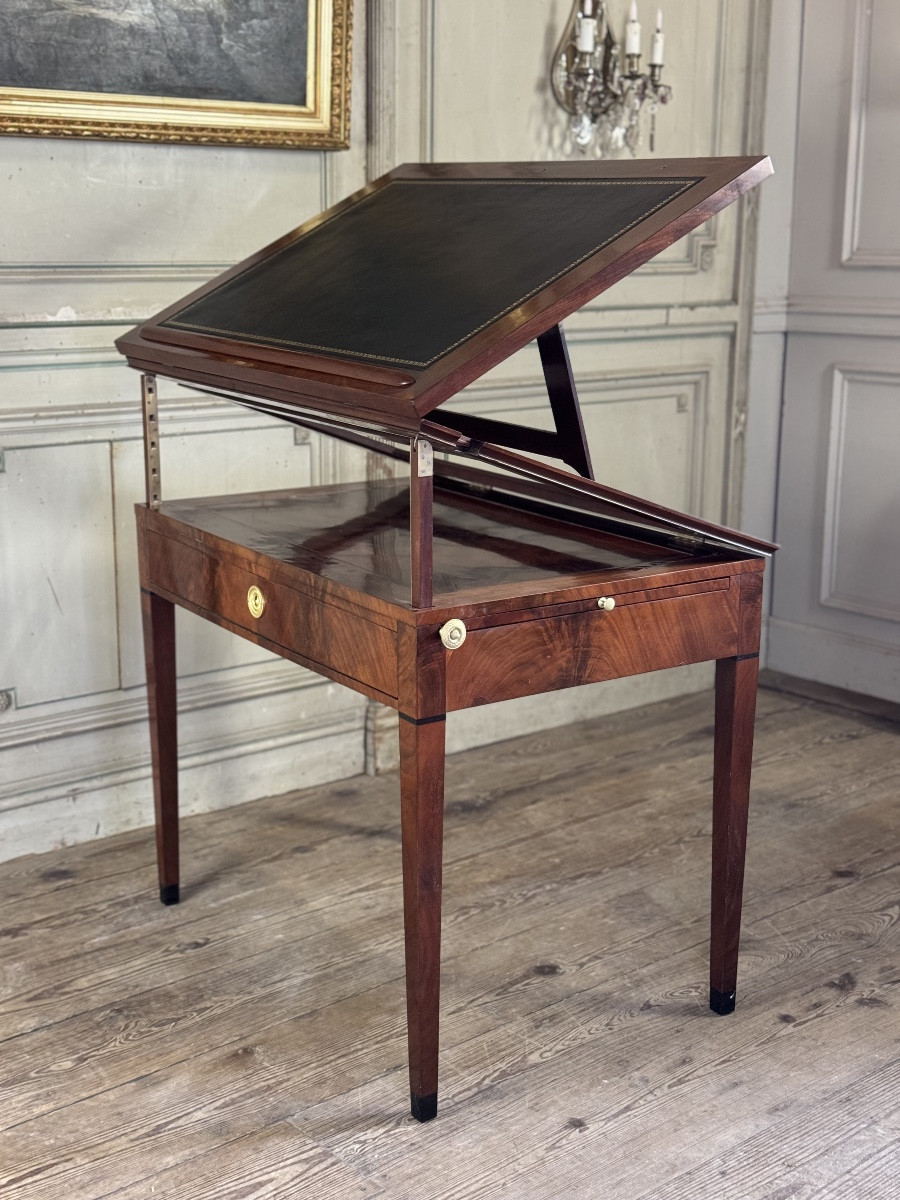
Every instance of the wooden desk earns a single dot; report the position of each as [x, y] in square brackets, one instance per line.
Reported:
[321, 576]
[477, 580]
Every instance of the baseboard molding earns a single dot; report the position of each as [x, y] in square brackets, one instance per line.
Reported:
[842, 661]
[513, 718]
[89, 777]
[238, 745]
[835, 697]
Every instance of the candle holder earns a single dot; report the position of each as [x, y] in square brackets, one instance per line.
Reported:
[604, 103]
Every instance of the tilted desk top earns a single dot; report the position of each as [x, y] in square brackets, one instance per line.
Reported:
[366, 319]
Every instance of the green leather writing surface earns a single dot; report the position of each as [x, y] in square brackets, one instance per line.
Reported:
[414, 269]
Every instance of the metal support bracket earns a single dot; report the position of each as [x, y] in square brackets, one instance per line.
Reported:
[424, 457]
[421, 528]
[150, 409]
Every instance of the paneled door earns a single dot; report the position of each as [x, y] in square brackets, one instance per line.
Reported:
[836, 597]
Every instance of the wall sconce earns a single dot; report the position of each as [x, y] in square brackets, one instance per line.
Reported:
[604, 102]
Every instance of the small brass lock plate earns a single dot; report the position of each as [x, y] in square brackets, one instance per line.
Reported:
[256, 602]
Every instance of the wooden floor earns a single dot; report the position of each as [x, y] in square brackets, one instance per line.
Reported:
[250, 1043]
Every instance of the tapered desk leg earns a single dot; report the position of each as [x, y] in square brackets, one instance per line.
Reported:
[736, 680]
[159, 652]
[422, 817]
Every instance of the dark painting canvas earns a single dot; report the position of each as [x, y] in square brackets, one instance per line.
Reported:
[251, 51]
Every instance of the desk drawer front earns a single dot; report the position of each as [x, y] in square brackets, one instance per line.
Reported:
[218, 587]
[508, 661]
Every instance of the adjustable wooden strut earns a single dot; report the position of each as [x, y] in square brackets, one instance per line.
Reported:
[568, 443]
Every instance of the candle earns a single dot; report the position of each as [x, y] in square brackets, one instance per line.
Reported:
[633, 31]
[587, 35]
[656, 43]
[588, 8]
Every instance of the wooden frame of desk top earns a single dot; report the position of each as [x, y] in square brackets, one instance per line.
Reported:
[527, 589]
[393, 398]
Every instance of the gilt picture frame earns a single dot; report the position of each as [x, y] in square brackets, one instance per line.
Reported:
[209, 72]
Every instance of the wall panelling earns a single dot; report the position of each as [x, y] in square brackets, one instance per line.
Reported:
[97, 236]
[835, 617]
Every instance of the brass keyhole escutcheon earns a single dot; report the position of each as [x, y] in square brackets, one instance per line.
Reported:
[256, 602]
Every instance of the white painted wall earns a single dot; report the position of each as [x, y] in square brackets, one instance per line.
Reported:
[97, 236]
[94, 237]
[833, 330]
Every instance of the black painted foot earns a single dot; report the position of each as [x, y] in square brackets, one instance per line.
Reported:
[721, 1002]
[424, 1108]
[168, 893]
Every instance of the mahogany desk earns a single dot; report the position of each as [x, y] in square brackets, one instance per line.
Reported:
[469, 582]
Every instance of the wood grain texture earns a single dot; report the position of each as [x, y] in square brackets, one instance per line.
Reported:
[422, 824]
[349, 545]
[750, 613]
[735, 710]
[520, 659]
[217, 587]
[252, 1041]
[159, 654]
[422, 671]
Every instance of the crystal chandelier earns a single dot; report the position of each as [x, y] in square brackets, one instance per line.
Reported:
[604, 102]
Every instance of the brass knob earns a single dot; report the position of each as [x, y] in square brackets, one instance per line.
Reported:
[256, 602]
[606, 603]
[453, 634]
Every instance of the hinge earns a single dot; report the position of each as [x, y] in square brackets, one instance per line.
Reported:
[690, 541]
[475, 489]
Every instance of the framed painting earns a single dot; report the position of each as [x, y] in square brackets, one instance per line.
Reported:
[236, 72]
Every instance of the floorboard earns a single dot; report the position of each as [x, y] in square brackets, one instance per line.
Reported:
[250, 1042]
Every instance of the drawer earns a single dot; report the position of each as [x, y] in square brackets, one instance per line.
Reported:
[218, 587]
[527, 657]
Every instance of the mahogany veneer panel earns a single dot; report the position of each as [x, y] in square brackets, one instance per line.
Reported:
[215, 583]
[555, 652]
[336, 591]
[357, 536]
